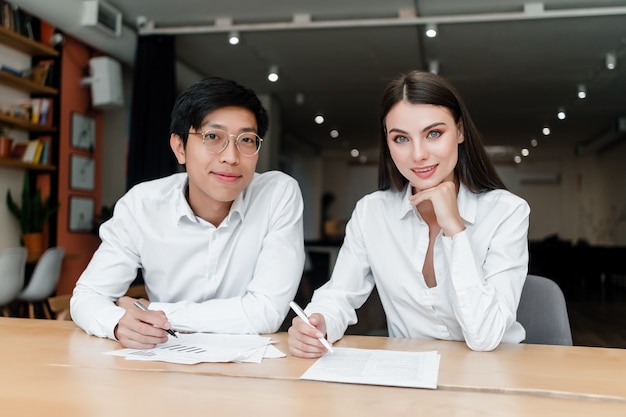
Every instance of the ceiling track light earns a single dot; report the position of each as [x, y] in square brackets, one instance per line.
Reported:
[582, 91]
[233, 37]
[272, 75]
[431, 30]
[561, 114]
[611, 61]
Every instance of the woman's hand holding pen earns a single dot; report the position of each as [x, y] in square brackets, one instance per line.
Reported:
[443, 198]
[304, 339]
[141, 329]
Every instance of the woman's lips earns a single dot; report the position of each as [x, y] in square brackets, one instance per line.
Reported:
[425, 172]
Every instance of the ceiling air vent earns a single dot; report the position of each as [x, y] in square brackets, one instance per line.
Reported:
[97, 13]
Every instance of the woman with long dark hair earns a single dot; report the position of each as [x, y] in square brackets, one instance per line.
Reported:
[443, 240]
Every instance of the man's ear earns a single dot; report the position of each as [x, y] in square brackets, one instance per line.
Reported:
[176, 143]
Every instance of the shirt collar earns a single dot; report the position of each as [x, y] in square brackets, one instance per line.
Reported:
[184, 210]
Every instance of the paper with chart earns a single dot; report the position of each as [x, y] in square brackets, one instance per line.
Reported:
[377, 367]
[195, 348]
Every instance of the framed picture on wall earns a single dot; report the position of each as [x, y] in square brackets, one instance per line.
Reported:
[83, 132]
[82, 173]
[81, 214]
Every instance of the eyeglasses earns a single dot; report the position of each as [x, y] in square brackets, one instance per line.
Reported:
[215, 141]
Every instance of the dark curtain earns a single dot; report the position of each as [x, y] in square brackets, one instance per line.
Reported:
[154, 93]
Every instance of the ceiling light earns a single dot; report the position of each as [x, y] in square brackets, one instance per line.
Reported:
[582, 91]
[334, 133]
[433, 66]
[233, 37]
[272, 75]
[611, 60]
[545, 131]
[319, 119]
[525, 152]
[517, 159]
[534, 143]
[354, 153]
[431, 30]
[561, 114]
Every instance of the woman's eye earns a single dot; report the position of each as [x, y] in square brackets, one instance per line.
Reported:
[400, 139]
[433, 134]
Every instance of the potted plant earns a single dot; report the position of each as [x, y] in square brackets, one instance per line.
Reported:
[32, 215]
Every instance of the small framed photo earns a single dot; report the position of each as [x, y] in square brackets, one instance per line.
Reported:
[81, 214]
[82, 173]
[83, 132]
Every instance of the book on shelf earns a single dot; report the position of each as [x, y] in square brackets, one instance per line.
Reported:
[45, 158]
[18, 149]
[31, 151]
[11, 70]
[40, 73]
[45, 111]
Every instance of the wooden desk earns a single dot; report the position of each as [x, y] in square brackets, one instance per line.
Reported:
[49, 365]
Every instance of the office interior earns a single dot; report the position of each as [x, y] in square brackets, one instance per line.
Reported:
[518, 65]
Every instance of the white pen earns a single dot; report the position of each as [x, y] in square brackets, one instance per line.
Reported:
[295, 307]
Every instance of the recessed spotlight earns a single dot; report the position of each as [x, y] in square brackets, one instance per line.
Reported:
[233, 37]
[433, 66]
[525, 152]
[431, 30]
[534, 143]
[611, 61]
[561, 114]
[272, 75]
[319, 119]
[545, 131]
[354, 153]
[582, 91]
[334, 133]
[517, 159]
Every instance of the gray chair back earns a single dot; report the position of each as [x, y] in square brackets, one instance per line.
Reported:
[45, 277]
[12, 267]
[543, 312]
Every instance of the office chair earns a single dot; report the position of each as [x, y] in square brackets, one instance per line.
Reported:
[543, 313]
[43, 282]
[12, 267]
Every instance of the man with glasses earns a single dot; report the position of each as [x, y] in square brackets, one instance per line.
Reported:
[220, 247]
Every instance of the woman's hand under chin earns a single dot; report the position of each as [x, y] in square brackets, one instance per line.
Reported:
[444, 203]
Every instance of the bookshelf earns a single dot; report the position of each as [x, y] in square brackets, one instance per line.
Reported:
[24, 44]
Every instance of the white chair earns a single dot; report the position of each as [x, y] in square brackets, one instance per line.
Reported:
[12, 267]
[543, 312]
[43, 282]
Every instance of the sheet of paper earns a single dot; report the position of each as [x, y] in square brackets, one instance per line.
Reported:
[377, 367]
[205, 347]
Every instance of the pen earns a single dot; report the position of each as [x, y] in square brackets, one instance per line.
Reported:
[295, 307]
[144, 308]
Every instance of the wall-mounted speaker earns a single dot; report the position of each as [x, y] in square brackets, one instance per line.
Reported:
[106, 82]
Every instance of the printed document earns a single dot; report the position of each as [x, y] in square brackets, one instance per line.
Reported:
[377, 367]
[192, 348]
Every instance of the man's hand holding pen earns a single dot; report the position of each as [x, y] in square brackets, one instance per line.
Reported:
[141, 329]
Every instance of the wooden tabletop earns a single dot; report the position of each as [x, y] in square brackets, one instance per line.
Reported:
[46, 363]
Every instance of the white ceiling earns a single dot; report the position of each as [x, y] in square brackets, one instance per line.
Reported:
[514, 69]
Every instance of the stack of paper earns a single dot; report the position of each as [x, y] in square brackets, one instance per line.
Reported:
[204, 347]
[377, 367]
